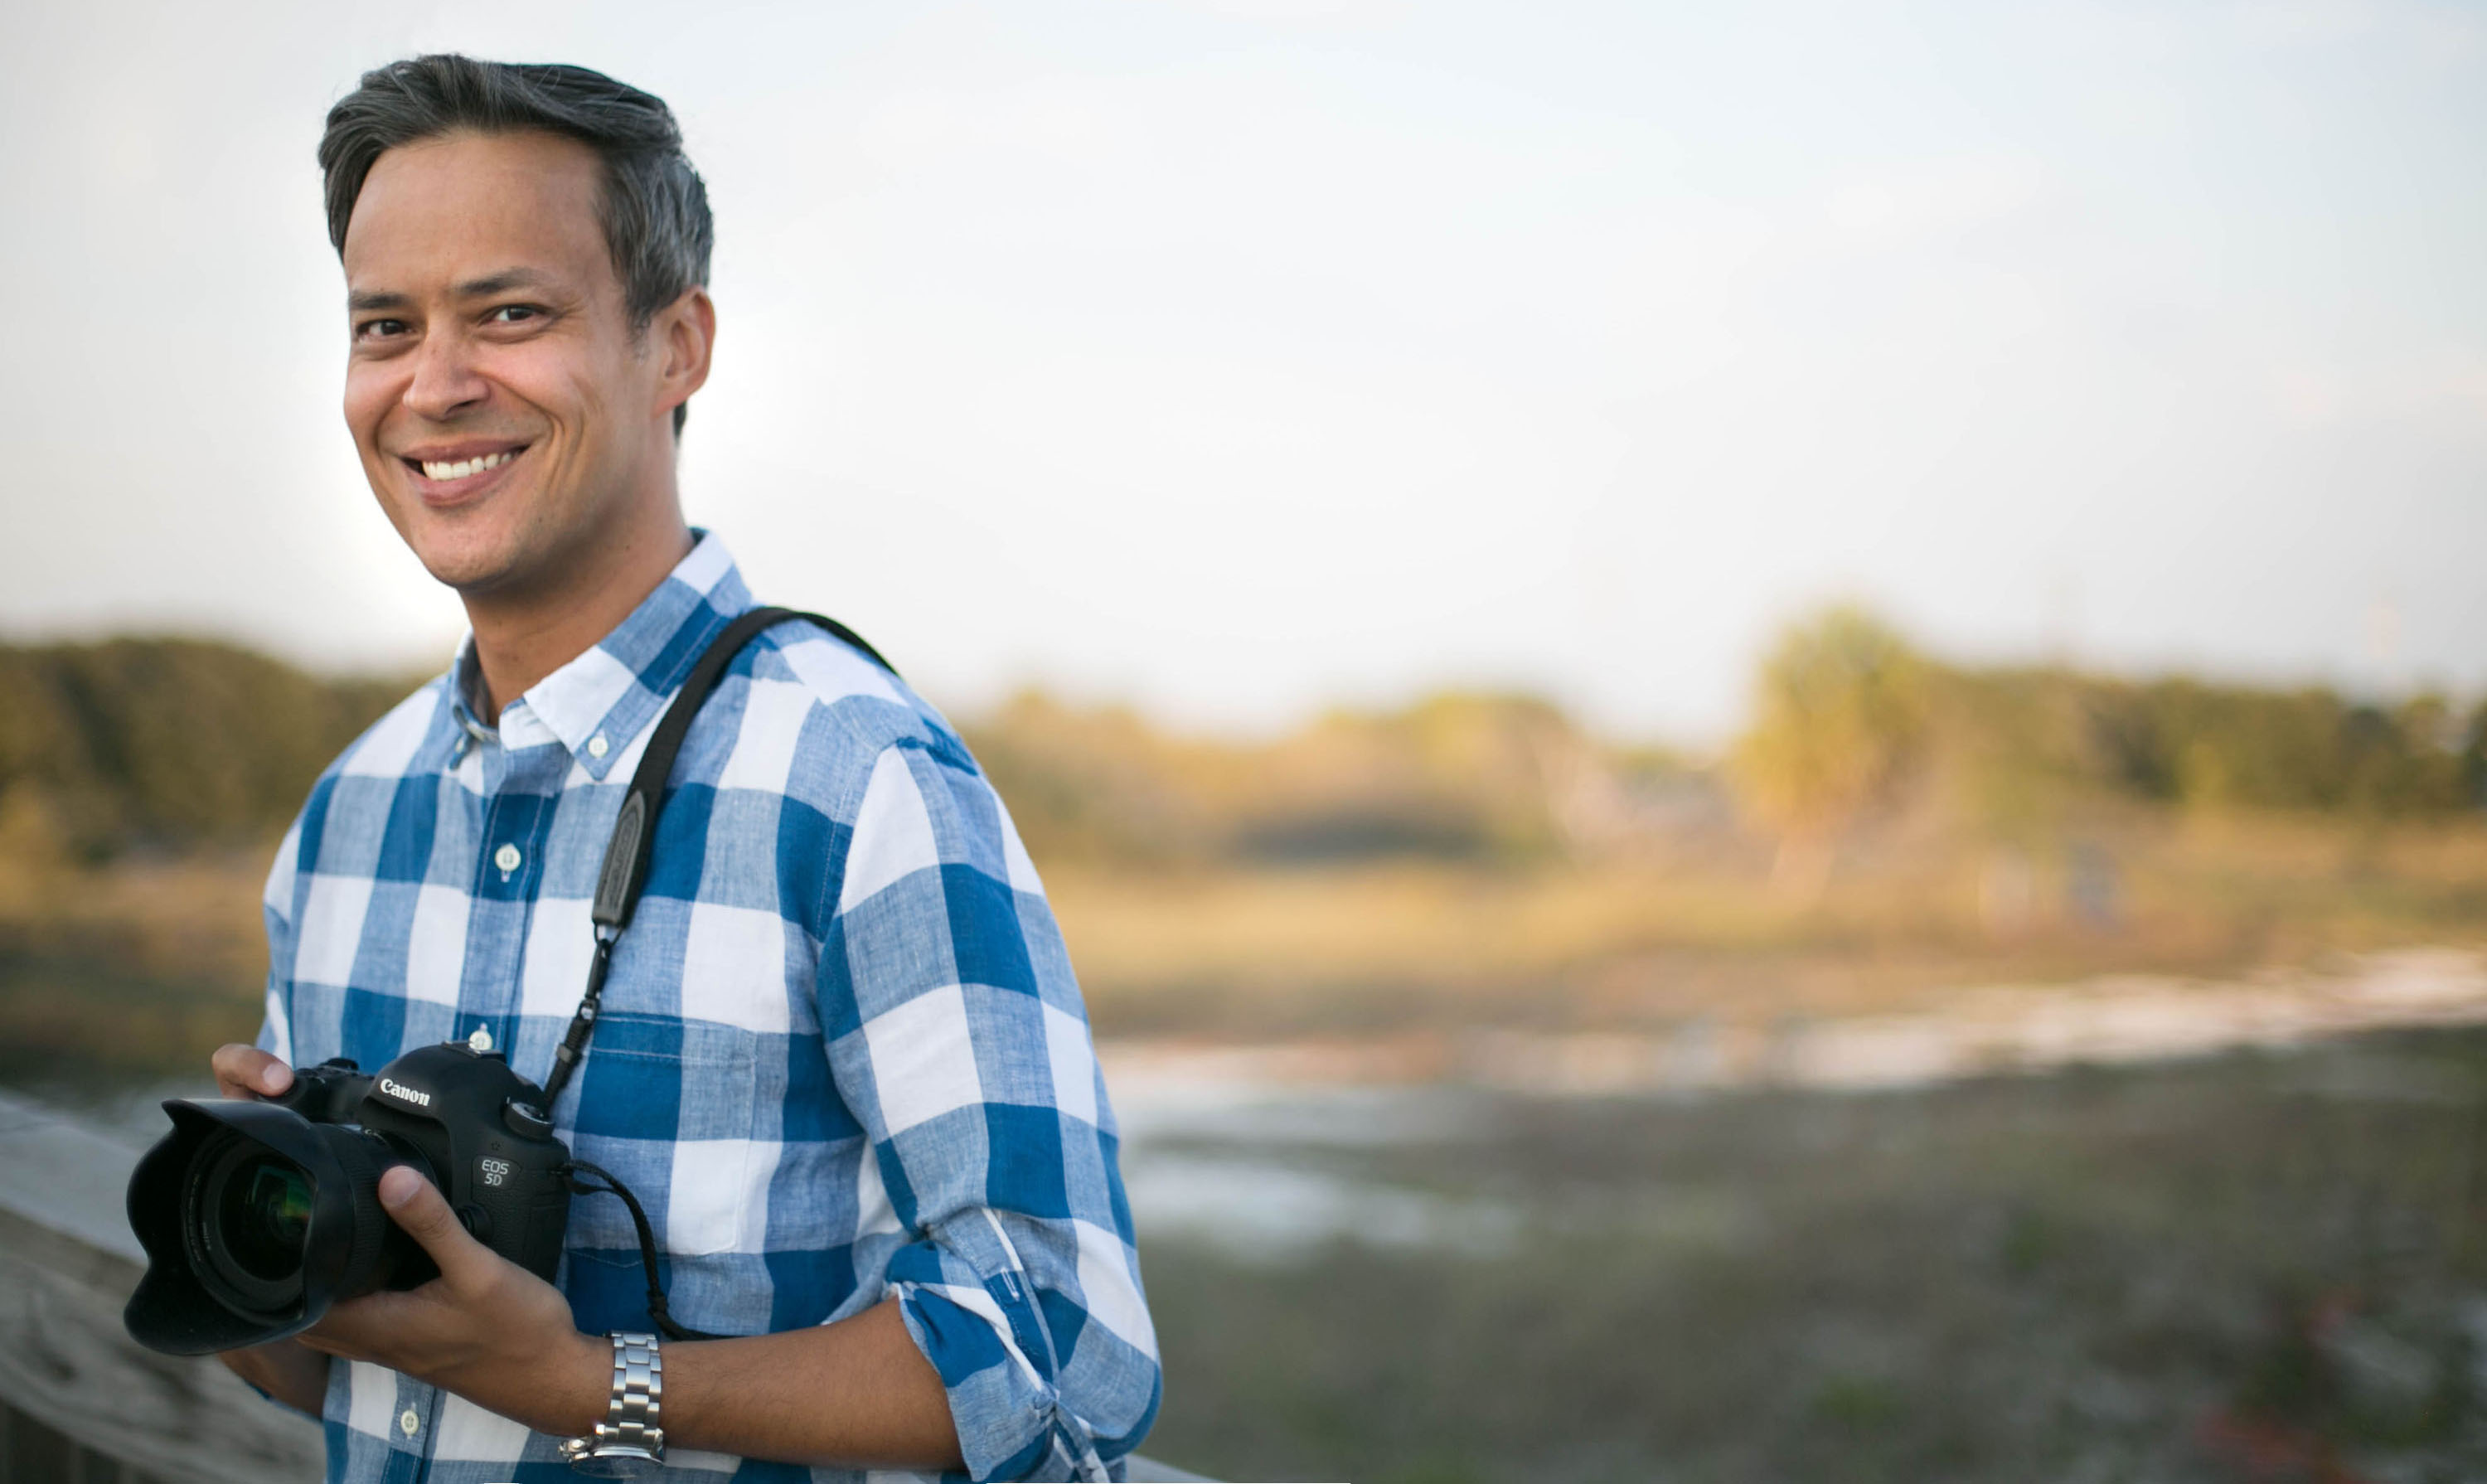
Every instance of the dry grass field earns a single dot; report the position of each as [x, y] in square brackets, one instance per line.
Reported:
[149, 962]
[1631, 944]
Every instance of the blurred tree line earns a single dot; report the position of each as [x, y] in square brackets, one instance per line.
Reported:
[164, 744]
[1850, 721]
[1454, 776]
[176, 744]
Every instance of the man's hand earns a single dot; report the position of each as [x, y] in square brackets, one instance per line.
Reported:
[247, 1072]
[485, 1329]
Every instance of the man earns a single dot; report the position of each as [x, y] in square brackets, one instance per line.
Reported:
[842, 1058]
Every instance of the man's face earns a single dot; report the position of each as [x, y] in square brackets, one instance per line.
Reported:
[503, 408]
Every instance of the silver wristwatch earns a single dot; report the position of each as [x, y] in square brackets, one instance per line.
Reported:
[629, 1443]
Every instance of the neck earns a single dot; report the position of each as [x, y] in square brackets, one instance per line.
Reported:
[523, 635]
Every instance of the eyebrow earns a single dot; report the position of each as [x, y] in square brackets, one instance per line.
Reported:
[366, 300]
[502, 282]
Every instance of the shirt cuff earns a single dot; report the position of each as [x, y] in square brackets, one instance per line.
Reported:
[1009, 1417]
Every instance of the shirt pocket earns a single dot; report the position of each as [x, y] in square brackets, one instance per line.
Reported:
[665, 1105]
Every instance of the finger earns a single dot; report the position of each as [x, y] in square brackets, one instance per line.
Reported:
[360, 1326]
[247, 1072]
[333, 1345]
[417, 1205]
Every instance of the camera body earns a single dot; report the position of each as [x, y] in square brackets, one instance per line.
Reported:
[474, 1123]
[258, 1215]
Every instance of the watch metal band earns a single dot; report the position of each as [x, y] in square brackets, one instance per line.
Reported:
[632, 1433]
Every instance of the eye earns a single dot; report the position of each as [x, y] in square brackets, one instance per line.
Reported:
[379, 329]
[513, 313]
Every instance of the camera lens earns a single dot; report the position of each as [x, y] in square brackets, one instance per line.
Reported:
[262, 1212]
[256, 1219]
[247, 1216]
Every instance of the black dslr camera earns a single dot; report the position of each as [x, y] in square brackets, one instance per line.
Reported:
[258, 1215]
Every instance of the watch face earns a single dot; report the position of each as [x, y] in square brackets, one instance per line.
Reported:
[618, 1460]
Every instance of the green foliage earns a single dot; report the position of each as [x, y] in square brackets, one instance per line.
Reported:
[2309, 748]
[170, 742]
[1454, 776]
[1840, 712]
[177, 744]
[2023, 741]
[1097, 785]
[1849, 718]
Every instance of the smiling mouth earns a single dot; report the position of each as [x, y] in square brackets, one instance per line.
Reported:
[444, 470]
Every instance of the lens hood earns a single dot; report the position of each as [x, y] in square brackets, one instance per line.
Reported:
[175, 1311]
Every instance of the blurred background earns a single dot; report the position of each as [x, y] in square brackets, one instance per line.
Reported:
[1762, 730]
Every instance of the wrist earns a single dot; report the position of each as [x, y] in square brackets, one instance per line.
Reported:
[286, 1372]
[629, 1441]
[574, 1386]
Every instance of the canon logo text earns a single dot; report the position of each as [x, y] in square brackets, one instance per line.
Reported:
[401, 1090]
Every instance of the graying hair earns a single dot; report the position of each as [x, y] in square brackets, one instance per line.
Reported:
[654, 207]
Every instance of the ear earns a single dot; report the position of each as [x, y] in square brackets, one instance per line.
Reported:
[684, 333]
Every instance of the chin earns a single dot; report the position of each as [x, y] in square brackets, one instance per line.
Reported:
[468, 565]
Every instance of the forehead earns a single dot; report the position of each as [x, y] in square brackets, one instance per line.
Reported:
[463, 204]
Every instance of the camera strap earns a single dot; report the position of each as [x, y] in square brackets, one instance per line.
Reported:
[624, 875]
[634, 832]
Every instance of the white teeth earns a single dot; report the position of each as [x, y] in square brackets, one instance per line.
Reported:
[438, 469]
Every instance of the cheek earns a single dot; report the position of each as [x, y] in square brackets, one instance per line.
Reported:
[542, 378]
[370, 392]
[584, 384]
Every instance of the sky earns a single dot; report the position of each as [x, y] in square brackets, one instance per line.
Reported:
[1238, 358]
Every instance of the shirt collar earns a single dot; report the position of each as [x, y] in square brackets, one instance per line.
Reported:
[597, 704]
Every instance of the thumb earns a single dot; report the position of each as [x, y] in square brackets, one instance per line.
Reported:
[417, 1205]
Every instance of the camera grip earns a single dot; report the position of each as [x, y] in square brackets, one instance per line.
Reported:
[512, 1197]
[328, 1093]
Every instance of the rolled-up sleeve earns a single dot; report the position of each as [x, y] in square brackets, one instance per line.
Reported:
[956, 1035]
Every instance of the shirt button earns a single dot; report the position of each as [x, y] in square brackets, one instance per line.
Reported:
[597, 747]
[479, 1042]
[507, 858]
[407, 1422]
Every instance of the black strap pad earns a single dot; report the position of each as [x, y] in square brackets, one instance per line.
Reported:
[634, 833]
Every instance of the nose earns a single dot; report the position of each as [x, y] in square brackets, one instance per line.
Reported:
[445, 380]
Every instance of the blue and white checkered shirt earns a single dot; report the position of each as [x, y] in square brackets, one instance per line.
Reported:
[841, 1054]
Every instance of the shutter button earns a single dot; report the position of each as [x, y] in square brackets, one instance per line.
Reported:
[507, 858]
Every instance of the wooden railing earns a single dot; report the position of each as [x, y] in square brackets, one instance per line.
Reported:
[82, 1403]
